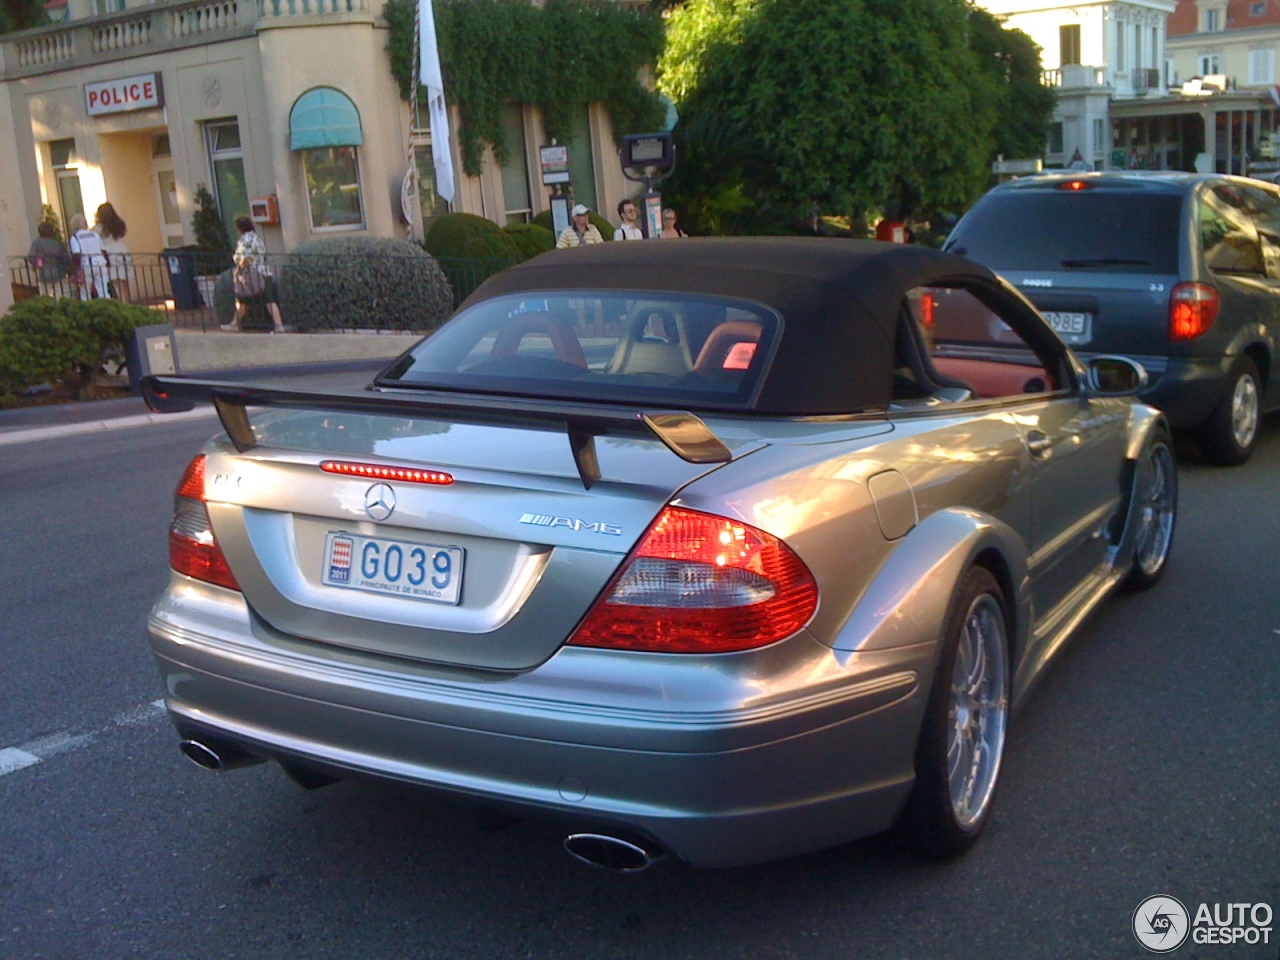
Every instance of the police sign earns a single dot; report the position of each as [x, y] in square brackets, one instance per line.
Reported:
[119, 96]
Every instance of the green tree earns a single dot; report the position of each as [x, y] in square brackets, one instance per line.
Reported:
[834, 106]
[21, 15]
[1024, 105]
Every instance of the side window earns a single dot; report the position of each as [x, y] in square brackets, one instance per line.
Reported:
[1264, 207]
[954, 346]
[1226, 232]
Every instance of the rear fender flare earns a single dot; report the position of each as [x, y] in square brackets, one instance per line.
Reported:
[906, 602]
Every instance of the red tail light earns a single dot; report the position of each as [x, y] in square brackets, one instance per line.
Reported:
[1075, 185]
[698, 583]
[1192, 309]
[193, 550]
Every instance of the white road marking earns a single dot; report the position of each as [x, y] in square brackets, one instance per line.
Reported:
[11, 759]
[43, 748]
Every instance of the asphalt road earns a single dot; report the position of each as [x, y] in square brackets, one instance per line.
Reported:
[1148, 762]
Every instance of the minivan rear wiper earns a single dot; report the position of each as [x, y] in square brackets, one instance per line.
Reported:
[1106, 262]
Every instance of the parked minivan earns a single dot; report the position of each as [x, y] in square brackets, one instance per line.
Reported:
[1179, 271]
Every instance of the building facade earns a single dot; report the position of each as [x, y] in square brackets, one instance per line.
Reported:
[1093, 54]
[285, 110]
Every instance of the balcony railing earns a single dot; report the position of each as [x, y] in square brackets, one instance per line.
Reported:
[1073, 76]
[184, 288]
[160, 27]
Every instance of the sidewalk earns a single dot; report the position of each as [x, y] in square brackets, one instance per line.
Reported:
[339, 359]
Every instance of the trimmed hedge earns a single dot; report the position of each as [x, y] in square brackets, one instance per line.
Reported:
[470, 236]
[43, 340]
[363, 283]
[531, 238]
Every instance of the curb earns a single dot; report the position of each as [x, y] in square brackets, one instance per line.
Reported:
[72, 419]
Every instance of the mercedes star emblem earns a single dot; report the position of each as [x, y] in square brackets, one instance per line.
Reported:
[379, 501]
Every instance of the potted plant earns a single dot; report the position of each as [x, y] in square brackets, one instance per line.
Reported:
[212, 253]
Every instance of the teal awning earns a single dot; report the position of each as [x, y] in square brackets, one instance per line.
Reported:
[324, 117]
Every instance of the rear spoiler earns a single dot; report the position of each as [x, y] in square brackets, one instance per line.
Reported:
[682, 432]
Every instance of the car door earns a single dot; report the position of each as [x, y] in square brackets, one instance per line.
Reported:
[992, 339]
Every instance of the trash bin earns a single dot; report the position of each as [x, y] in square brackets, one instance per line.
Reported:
[180, 264]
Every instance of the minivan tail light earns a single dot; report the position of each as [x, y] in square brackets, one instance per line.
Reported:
[700, 583]
[193, 549]
[1192, 309]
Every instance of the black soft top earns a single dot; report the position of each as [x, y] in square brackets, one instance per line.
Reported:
[839, 300]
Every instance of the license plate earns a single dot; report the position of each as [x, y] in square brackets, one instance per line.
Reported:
[1071, 327]
[401, 568]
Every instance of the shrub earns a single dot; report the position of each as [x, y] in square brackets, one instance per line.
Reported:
[43, 340]
[604, 226]
[467, 235]
[213, 249]
[531, 238]
[363, 283]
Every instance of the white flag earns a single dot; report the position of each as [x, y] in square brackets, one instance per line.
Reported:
[433, 80]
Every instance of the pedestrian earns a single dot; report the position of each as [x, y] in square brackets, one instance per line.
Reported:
[252, 277]
[111, 230]
[581, 231]
[627, 230]
[50, 260]
[669, 229]
[86, 247]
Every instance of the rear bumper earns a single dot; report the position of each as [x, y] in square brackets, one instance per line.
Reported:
[719, 786]
[1185, 389]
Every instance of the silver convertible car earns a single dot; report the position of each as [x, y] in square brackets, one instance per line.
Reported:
[724, 549]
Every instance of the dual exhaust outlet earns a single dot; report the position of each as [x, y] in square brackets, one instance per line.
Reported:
[608, 852]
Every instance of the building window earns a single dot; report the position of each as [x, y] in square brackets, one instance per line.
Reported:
[1155, 47]
[1210, 63]
[1069, 43]
[1055, 138]
[1262, 66]
[1170, 72]
[324, 128]
[1122, 30]
[66, 172]
[333, 188]
[1212, 21]
[1257, 9]
[226, 170]
[107, 6]
[517, 198]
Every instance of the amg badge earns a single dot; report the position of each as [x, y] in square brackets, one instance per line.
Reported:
[546, 520]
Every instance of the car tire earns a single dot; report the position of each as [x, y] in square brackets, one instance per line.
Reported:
[963, 735]
[1229, 435]
[1155, 492]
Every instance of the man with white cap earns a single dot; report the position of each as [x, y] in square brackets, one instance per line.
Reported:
[581, 231]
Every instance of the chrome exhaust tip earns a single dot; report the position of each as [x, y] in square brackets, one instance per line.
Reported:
[216, 757]
[610, 853]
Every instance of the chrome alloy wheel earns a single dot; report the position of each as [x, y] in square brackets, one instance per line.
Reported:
[978, 711]
[1156, 512]
[1244, 410]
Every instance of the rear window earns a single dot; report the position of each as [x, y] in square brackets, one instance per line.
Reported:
[644, 348]
[1088, 230]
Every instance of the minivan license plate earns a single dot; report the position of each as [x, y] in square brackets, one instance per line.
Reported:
[402, 568]
[1071, 327]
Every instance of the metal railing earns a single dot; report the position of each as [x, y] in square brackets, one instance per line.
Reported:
[194, 290]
